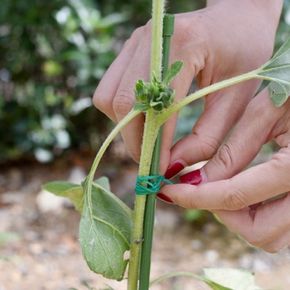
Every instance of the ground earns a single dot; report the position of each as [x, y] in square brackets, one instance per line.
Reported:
[42, 251]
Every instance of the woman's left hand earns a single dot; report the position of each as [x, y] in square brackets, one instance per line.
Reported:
[241, 199]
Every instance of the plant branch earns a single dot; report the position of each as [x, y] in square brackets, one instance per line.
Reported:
[165, 115]
[131, 115]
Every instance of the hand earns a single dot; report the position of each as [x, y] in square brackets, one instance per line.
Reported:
[223, 40]
[267, 223]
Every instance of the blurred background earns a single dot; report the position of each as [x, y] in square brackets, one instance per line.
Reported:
[53, 54]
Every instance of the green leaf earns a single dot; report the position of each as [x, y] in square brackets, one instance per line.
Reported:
[104, 182]
[67, 189]
[215, 286]
[172, 72]
[277, 72]
[105, 232]
[230, 279]
[279, 93]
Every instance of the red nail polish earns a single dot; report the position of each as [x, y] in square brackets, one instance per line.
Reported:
[193, 177]
[173, 169]
[164, 197]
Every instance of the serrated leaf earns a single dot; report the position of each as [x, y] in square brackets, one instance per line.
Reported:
[105, 231]
[277, 72]
[172, 72]
[227, 278]
[67, 189]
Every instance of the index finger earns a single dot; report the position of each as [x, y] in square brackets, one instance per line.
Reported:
[254, 185]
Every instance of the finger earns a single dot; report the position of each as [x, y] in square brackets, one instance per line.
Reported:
[107, 88]
[254, 185]
[266, 229]
[180, 85]
[124, 99]
[246, 140]
[222, 110]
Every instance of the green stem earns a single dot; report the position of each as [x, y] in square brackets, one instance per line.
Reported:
[150, 133]
[151, 129]
[131, 115]
[156, 44]
[163, 117]
[145, 266]
[105, 145]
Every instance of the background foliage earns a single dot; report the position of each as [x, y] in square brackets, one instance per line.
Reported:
[53, 53]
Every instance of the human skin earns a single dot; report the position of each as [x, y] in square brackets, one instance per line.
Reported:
[225, 39]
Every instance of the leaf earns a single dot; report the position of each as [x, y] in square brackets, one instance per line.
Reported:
[215, 286]
[67, 189]
[172, 72]
[263, 85]
[277, 72]
[104, 182]
[279, 93]
[105, 232]
[229, 279]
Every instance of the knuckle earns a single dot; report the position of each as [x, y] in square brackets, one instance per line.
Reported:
[256, 241]
[101, 102]
[272, 248]
[280, 164]
[138, 32]
[235, 200]
[193, 29]
[208, 145]
[135, 36]
[123, 102]
[224, 156]
[262, 241]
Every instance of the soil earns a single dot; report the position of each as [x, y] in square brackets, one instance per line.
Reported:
[42, 251]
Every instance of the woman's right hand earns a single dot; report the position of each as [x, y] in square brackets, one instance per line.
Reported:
[215, 43]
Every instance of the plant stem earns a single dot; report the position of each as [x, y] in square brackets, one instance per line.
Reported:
[151, 129]
[156, 44]
[163, 117]
[149, 217]
[105, 145]
[150, 133]
[131, 115]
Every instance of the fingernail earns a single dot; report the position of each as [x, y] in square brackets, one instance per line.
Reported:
[193, 177]
[173, 169]
[164, 197]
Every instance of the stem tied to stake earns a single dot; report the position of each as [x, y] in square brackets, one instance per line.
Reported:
[151, 129]
[168, 27]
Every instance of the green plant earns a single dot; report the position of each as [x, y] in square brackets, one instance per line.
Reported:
[110, 233]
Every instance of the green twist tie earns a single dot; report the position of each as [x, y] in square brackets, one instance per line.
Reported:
[150, 184]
